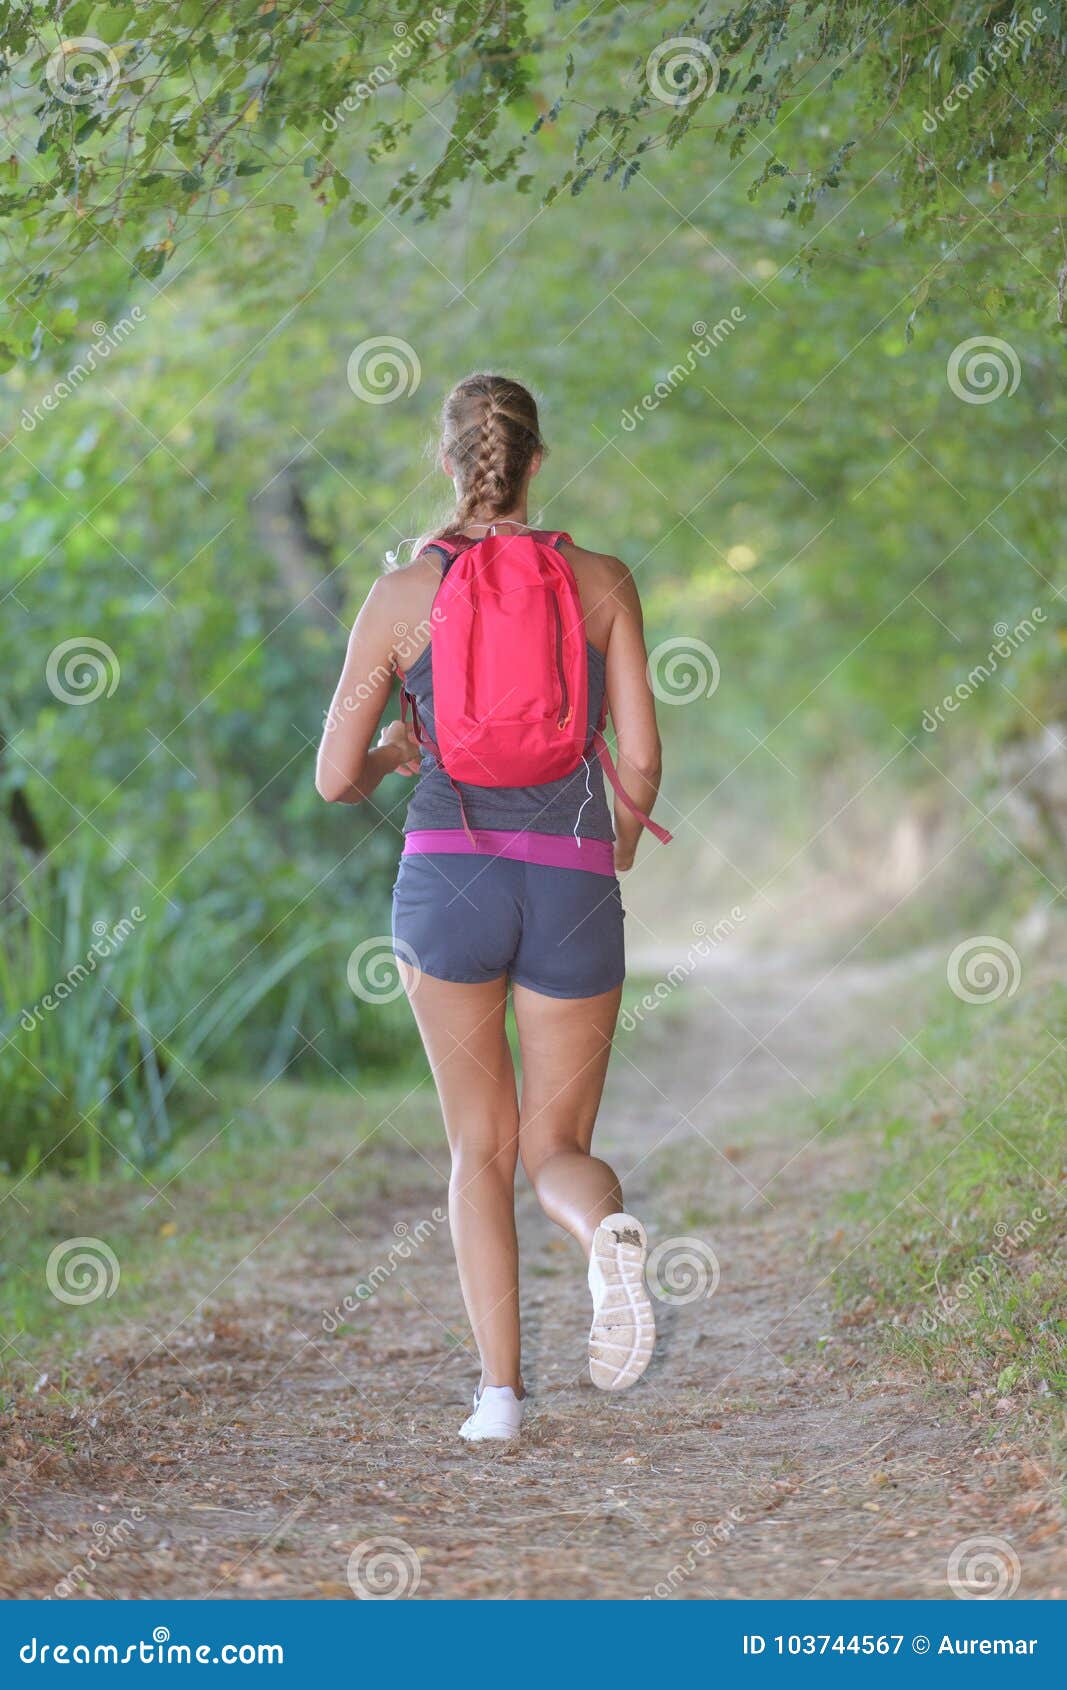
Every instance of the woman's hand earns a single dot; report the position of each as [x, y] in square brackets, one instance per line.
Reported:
[398, 738]
[624, 857]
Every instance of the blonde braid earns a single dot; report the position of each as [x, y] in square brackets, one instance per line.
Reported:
[490, 435]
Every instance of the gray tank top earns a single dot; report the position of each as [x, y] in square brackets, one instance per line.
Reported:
[577, 804]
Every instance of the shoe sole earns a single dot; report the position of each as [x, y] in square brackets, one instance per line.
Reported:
[623, 1332]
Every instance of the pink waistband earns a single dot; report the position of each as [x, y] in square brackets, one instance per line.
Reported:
[551, 850]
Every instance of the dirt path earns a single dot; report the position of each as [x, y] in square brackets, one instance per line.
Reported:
[248, 1452]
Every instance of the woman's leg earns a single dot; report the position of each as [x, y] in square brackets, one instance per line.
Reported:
[566, 1044]
[462, 1028]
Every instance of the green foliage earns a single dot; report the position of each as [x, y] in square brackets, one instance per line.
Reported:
[138, 132]
[117, 1015]
[956, 1243]
[190, 477]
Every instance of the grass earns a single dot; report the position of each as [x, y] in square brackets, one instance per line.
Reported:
[117, 1017]
[957, 1237]
[187, 1231]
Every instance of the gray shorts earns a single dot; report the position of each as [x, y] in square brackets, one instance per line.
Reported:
[473, 918]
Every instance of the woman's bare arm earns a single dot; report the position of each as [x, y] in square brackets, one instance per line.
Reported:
[348, 771]
[633, 712]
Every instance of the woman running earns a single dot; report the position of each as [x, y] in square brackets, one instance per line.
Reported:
[514, 883]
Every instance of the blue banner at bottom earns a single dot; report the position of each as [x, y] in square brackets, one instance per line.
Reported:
[682, 1642]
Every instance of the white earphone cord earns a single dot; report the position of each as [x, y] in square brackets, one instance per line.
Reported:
[588, 799]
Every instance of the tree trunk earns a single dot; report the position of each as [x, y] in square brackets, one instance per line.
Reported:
[21, 813]
[280, 518]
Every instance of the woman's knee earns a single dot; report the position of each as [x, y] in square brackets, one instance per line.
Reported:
[537, 1159]
[478, 1156]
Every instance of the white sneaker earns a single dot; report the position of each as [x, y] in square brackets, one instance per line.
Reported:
[497, 1414]
[623, 1330]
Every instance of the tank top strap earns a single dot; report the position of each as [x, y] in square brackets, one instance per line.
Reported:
[446, 551]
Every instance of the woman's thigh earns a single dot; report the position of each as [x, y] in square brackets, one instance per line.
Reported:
[463, 1032]
[566, 1047]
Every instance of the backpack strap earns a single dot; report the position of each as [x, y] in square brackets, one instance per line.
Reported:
[409, 708]
[448, 554]
[600, 746]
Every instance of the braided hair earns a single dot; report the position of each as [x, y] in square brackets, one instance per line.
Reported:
[490, 434]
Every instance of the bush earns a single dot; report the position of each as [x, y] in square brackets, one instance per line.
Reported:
[116, 1011]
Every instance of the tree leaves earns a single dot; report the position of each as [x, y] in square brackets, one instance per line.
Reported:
[138, 113]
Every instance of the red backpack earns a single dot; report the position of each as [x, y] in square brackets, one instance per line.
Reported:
[510, 668]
